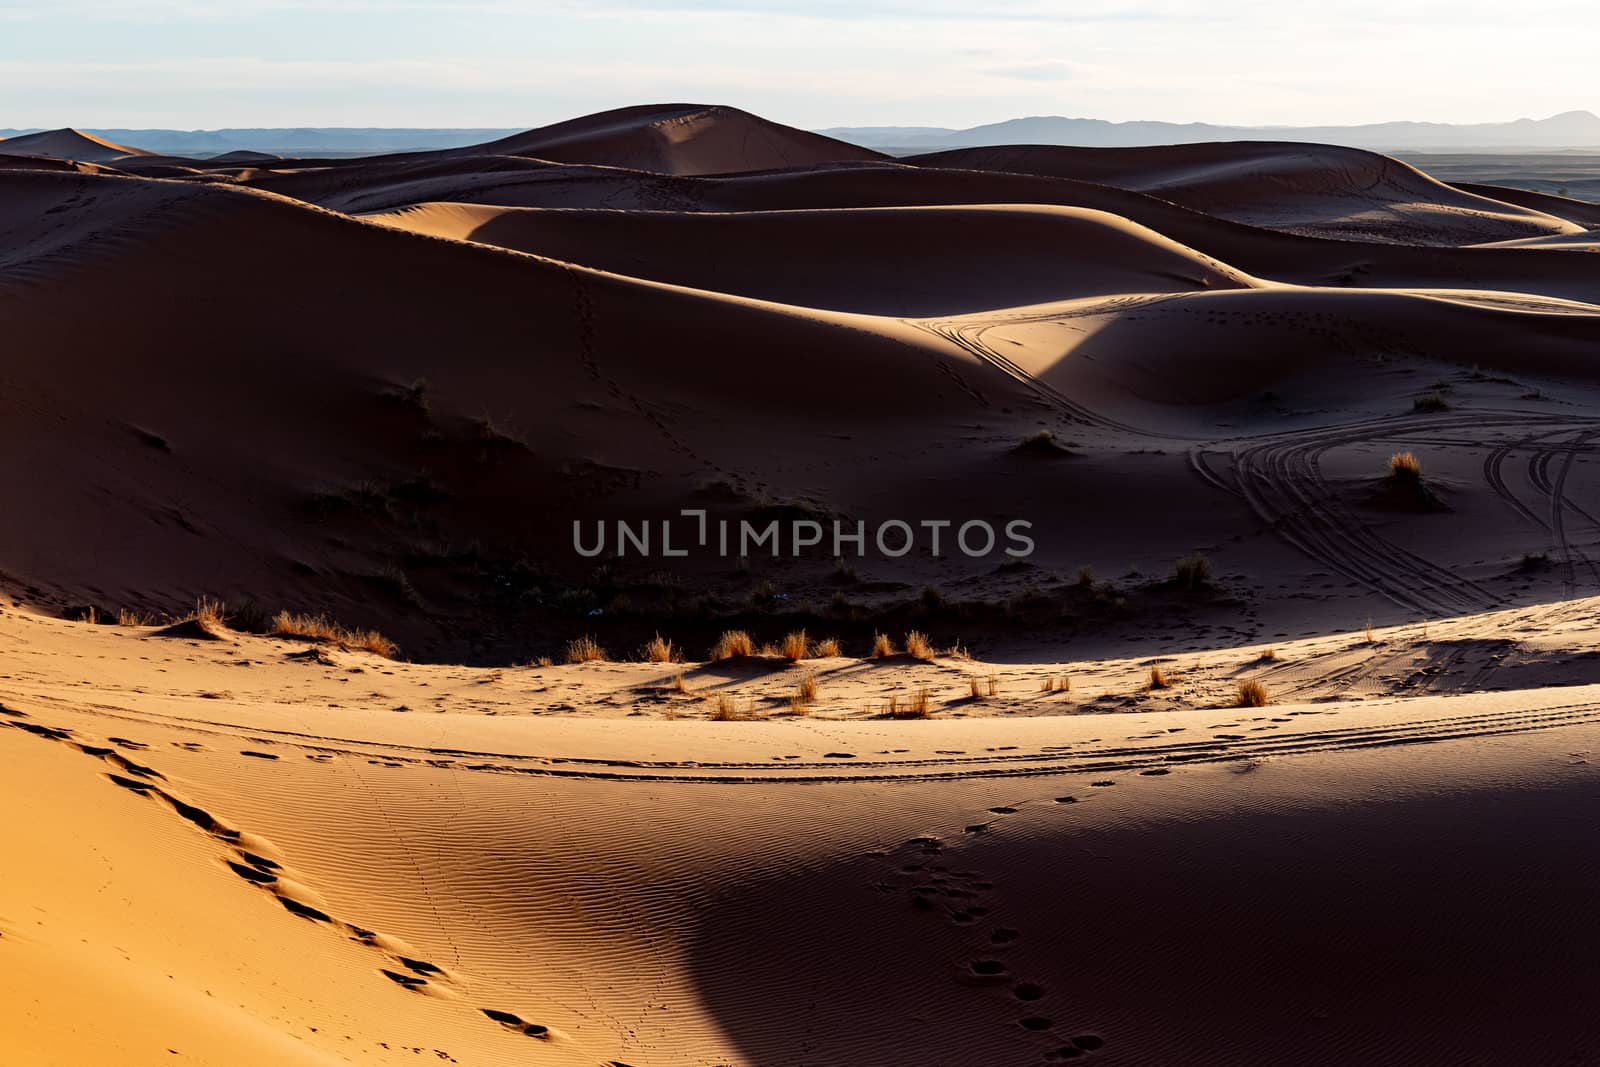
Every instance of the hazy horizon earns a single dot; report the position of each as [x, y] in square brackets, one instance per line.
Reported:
[175, 64]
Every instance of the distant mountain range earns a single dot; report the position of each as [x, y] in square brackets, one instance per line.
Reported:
[1573, 129]
[302, 141]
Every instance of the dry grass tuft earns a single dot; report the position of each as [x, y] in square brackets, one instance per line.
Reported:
[882, 647]
[915, 708]
[134, 618]
[918, 646]
[732, 645]
[319, 628]
[1405, 467]
[209, 612]
[1056, 684]
[828, 648]
[1193, 571]
[1253, 694]
[1430, 402]
[1158, 678]
[975, 684]
[1369, 632]
[958, 651]
[727, 710]
[1269, 655]
[807, 690]
[584, 649]
[678, 684]
[660, 650]
[795, 646]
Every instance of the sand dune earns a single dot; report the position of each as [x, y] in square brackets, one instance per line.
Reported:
[67, 144]
[1274, 750]
[1581, 212]
[280, 853]
[1313, 189]
[900, 261]
[1261, 252]
[678, 139]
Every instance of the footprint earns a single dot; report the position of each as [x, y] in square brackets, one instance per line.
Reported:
[420, 966]
[1002, 811]
[1036, 1022]
[1066, 800]
[838, 755]
[403, 980]
[988, 968]
[1028, 991]
[251, 874]
[305, 911]
[1103, 784]
[258, 755]
[1154, 771]
[516, 1024]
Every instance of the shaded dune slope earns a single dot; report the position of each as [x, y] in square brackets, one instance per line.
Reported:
[545, 382]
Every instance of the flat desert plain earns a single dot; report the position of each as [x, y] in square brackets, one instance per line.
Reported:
[321, 742]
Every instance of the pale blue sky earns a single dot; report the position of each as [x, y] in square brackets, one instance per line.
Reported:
[192, 64]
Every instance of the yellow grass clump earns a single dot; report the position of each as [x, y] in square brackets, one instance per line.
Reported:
[584, 649]
[1405, 466]
[882, 647]
[732, 645]
[1253, 694]
[659, 650]
[319, 628]
[827, 648]
[1270, 655]
[918, 646]
[808, 689]
[795, 646]
[1056, 684]
[1159, 679]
